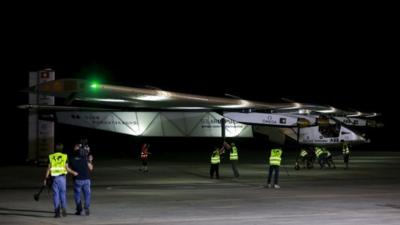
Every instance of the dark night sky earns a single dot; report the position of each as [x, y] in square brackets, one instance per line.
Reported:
[344, 63]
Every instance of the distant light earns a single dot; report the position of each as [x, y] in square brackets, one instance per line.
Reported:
[94, 85]
[304, 111]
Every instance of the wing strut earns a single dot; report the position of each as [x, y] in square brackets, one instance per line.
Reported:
[223, 121]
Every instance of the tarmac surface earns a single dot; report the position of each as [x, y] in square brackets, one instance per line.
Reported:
[182, 193]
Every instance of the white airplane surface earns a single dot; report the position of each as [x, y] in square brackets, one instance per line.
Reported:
[155, 112]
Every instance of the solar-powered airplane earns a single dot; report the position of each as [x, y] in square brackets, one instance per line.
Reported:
[155, 112]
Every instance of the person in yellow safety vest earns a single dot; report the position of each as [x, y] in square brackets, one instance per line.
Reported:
[274, 164]
[57, 169]
[346, 154]
[321, 156]
[233, 157]
[215, 161]
[302, 157]
[329, 158]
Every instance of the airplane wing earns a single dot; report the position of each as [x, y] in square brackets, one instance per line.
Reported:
[144, 98]
[310, 109]
[132, 98]
[120, 108]
[61, 108]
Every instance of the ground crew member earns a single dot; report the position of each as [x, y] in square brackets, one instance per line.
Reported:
[144, 155]
[82, 165]
[321, 156]
[346, 154]
[311, 157]
[215, 161]
[302, 157]
[57, 169]
[329, 159]
[233, 157]
[274, 164]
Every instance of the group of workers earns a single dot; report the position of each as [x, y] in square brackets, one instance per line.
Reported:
[274, 162]
[307, 157]
[322, 155]
[216, 159]
[79, 164]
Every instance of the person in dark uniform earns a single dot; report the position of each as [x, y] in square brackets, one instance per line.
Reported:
[82, 181]
[311, 157]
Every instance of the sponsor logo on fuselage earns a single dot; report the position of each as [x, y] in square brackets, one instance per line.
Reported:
[216, 123]
[97, 120]
[269, 120]
[350, 122]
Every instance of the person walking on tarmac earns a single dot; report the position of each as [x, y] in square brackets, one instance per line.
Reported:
[215, 161]
[346, 155]
[274, 164]
[328, 158]
[82, 182]
[233, 157]
[301, 158]
[144, 156]
[57, 169]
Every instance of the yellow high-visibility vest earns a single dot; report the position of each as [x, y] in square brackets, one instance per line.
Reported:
[234, 154]
[275, 157]
[318, 151]
[57, 163]
[327, 152]
[215, 159]
[346, 150]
